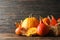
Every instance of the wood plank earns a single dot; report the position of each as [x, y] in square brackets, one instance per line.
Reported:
[10, 36]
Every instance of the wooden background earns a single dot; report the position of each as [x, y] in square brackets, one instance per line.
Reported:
[14, 10]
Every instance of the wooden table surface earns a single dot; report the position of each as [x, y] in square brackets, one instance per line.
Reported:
[14, 10]
[10, 36]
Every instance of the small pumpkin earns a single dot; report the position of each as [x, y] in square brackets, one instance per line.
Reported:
[30, 22]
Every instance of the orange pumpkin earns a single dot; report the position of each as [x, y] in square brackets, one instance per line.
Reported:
[42, 29]
[18, 30]
[30, 22]
[53, 21]
[46, 21]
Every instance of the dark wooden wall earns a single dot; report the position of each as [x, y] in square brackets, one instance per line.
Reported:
[13, 10]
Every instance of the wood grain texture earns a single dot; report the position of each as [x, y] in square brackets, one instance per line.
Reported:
[10, 36]
[15, 10]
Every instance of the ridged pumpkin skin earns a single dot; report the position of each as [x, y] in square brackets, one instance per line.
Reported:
[46, 21]
[42, 29]
[18, 30]
[30, 22]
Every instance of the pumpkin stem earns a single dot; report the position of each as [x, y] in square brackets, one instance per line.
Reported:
[30, 15]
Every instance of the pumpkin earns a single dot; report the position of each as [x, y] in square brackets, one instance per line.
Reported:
[30, 22]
